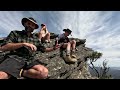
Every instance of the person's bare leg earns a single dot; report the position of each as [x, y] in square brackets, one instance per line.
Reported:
[4, 75]
[36, 72]
[68, 56]
[47, 37]
[40, 36]
[67, 46]
[73, 44]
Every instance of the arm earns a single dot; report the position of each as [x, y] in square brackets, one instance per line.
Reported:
[41, 30]
[40, 34]
[44, 48]
[68, 40]
[11, 43]
[11, 46]
[14, 46]
[52, 49]
[46, 30]
[56, 41]
[49, 49]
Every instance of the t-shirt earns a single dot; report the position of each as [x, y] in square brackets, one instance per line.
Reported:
[62, 39]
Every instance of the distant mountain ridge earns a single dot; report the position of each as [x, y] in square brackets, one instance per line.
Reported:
[113, 71]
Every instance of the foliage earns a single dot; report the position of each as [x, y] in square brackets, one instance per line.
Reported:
[103, 72]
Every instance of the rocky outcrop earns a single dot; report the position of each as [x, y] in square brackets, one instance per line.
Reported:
[59, 69]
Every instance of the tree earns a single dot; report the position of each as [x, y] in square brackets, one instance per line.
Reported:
[103, 72]
[93, 57]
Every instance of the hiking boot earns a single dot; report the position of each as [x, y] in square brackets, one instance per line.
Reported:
[73, 56]
[69, 59]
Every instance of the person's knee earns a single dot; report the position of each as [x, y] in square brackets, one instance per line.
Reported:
[68, 44]
[3, 75]
[43, 72]
[48, 34]
[73, 42]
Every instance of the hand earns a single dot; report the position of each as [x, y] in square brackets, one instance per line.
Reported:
[57, 46]
[44, 27]
[31, 46]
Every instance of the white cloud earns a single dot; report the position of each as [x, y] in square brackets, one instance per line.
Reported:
[100, 28]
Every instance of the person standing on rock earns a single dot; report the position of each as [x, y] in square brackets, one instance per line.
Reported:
[23, 46]
[65, 43]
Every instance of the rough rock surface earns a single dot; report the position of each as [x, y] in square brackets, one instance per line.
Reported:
[59, 69]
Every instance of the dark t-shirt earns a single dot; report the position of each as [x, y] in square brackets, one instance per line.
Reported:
[62, 39]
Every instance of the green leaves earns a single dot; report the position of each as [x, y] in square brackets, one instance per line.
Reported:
[94, 56]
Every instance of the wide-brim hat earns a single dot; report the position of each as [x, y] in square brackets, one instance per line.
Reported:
[67, 30]
[24, 20]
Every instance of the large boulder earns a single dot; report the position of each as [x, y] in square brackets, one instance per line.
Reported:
[58, 68]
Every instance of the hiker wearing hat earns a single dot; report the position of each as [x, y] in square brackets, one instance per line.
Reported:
[23, 46]
[44, 35]
[65, 43]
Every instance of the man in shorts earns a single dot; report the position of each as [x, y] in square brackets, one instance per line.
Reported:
[23, 45]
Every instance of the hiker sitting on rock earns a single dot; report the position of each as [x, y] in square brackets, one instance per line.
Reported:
[65, 43]
[23, 47]
[44, 35]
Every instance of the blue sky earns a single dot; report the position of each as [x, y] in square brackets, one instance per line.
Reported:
[101, 29]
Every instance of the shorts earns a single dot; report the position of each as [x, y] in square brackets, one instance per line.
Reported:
[13, 65]
[62, 47]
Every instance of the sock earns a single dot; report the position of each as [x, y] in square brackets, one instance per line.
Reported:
[68, 52]
[73, 51]
[40, 40]
[46, 40]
